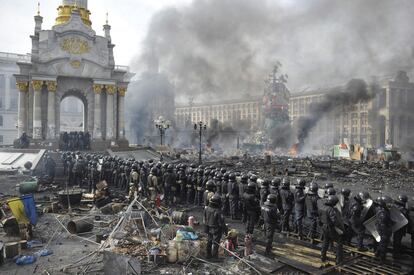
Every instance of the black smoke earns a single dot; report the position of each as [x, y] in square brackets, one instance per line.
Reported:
[355, 91]
[224, 48]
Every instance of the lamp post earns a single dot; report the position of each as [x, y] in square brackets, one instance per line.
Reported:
[200, 126]
[162, 126]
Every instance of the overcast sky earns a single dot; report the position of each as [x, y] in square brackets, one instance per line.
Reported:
[128, 18]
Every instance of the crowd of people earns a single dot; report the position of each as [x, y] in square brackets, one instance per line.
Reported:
[275, 205]
[74, 141]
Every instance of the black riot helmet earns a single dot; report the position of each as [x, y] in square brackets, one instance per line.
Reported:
[223, 170]
[403, 198]
[215, 201]
[346, 192]
[272, 198]
[285, 183]
[364, 196]
[253, 178]
[210, 185]
[313, 188]
[331, 191]
[328, 185]
[170, 168]
[383, 201]
[275, 182]
[219, 176]
[226, 176]
[244, 179]
[301, 184]
[266, 183]
[332, 200]
[251, 187]
[232, 177]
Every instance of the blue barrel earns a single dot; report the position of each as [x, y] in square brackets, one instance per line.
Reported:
[30, 208]
[28, 187]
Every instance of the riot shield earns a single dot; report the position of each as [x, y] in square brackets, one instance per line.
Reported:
[367, 206]
[398, 218]
[371, 228]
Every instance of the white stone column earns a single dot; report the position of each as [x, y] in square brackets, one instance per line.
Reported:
[110, 91]
[37, 109]
[51, 116]
[7, 92]
[121, 112]
[22, 113]
[97, 117]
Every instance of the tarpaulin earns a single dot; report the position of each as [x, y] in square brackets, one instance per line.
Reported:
[30, 208]
[17, 208]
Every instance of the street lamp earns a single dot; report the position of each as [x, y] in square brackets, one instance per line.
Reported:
[162, 125]
[200, 127]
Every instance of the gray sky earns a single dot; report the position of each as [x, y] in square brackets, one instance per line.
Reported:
[128, 18]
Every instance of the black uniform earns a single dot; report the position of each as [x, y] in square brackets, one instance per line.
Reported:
[169, 182]
[251, 211]
[332, 231]
[399, 234]
[225, 197]
[271, 219]
[287, 203]
[233, 190]
[356, 226]
[383, 225]
[299, 209]
[311, 202]
[214, 227]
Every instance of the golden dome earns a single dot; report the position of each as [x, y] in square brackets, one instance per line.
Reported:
[65, 11]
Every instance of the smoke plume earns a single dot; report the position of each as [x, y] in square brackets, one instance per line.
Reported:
[226, 48]
[354, 92]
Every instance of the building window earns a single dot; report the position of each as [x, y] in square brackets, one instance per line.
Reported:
[1, 139]
[1, 121]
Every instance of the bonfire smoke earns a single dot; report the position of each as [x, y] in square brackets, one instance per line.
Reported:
[355, 91]
[225, 48]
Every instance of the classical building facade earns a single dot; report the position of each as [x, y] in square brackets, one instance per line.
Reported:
[230, 113]
[9, 96]
[386, 119]
[71, 60]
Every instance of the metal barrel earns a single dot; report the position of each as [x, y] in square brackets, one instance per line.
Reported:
[28, 187]
[179, 217]
[80, 226]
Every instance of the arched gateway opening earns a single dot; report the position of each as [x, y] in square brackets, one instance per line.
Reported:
[73, 121]
[72, 115]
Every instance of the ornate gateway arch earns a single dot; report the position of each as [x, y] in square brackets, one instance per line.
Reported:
[71, 60]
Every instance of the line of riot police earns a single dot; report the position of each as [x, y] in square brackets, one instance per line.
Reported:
[75, 141]
[270, 205]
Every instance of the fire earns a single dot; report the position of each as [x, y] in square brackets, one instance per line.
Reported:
[295, 149]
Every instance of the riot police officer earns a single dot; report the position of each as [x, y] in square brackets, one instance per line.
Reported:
[299, 197]
[214, 226]
[401, 204]
[274, 189]
[199, 187]
[355, 221]
[251, 209]
[225, 194]
[345, 208]
[169, 183]
[153, 185]
[208, 194]
[271, 219]
[234, 196]
[190, 187]
[383, 225]
[264, 191]
[287, 203]
[332, 228]
[311, 202]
